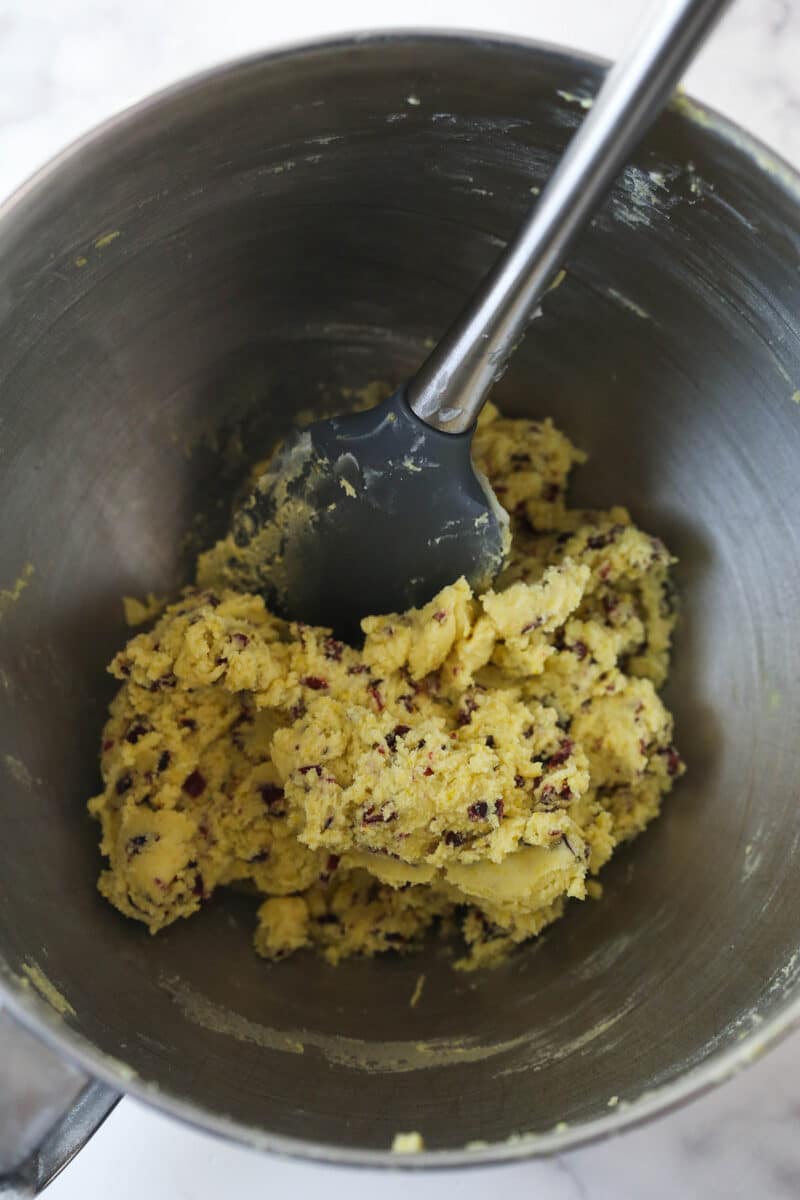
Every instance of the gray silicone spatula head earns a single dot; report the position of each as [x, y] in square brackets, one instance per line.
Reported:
[372, 512]
[375, 512]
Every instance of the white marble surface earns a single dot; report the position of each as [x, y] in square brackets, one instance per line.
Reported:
[66, 64]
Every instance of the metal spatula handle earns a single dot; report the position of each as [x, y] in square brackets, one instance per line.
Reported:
[451, 387]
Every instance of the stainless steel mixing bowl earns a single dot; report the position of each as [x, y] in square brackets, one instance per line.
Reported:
[172, 290]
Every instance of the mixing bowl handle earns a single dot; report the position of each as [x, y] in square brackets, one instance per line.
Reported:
[48, 1110]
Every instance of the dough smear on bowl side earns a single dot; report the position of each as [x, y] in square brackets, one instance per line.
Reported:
[473, 766]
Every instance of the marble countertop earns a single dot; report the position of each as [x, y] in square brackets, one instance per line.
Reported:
[67, 64]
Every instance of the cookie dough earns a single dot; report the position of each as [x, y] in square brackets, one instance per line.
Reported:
[473, 766]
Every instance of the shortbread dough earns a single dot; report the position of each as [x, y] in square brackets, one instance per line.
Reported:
[472, 767]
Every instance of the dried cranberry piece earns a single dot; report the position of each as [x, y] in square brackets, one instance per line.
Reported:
[391, 738]
[241, 639]
[312, 767]
[674, 761]
[550, 492]
[373, 816]
[199, 889]
[468, 707]
[272, 796]
[166, 681]
[610, 605]
[441, 615]
[519, 781]
[330, 866]
[333, 649]
[499, 808]
[357, 669]
[298, 710]
[315, 682]
[579, 649]
[490, 742]
[135, 844]
[407, 702]
[428, 771]
[453, 838]
[188, 723]
[477, 812]
[561, 755]
[123, 784]
[136, 731]
[194, 785]
[125, 668]
[537, 624]
[332, 863]
[107, 745]
[163, 761]
[260, 857]
[601, 540]
[372, 689]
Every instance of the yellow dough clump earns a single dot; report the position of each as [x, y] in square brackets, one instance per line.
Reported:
[473, 766]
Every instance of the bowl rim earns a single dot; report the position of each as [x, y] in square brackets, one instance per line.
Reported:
[38, 1017]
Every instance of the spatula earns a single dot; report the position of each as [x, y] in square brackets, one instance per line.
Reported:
[374, 512]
